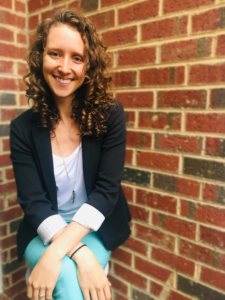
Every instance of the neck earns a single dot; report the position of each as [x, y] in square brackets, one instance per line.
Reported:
[64, 107]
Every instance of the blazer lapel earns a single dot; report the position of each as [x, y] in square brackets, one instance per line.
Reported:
[87, 162]
[44, 150]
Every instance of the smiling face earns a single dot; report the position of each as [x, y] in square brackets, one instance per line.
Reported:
[63, 61]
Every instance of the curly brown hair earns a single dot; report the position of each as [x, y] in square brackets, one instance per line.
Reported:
[93, 101]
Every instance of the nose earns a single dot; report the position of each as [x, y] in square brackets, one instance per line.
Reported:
[64, 66]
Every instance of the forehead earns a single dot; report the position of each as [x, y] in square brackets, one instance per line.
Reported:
[64, 36]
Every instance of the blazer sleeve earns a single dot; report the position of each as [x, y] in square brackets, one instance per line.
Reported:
[107, 186]
[31, 195]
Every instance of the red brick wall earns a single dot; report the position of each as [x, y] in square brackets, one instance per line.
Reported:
[169, 73]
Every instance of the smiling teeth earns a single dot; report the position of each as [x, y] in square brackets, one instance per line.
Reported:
[62, 81]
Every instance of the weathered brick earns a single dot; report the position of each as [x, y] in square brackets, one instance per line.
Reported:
[20, 6]
[155, 288]
[16, 276]
[220, 47]
[156, 201]
[124, 79]
[8, 241]
[178, 143]
[130, 118]
[209, 20]
[151, 269]
[138, 139]
[118, 284]
[130, 276]
[138, 295]
[13, 253]
[9, 215]
[155, 237]
[37, 4]
[6, 67]
[128, 192]
[8, 84]
[177, 185]
[160, 120]
[204, 168]
[138, 11]
[136, 99]
[12, 51]
[21, 296]
[215, 146]
[175, 225]
[15, 289]
[3, 230]
[23, 100]
[75, 5]
[182, 99]
[164, 28]
[176, 296]
[122, 256]
[176, 262]
[21, 38]
[10, 114]
[119, 297]
[6, 34]
[212, 237]
[88, 5]
[50, 12]
[137, 56]
[136, 176]
[122, 36]
[103, 20]
[207, 74]
[212, 277]
[6, 3]
[158, 161]
[197, 289]
[5, 160]
[178, 5]
[136, 246]
[33, 22]
[12, 19]
[139, 213]
[217, 98]
[14, 225]
[111, 2]
[214, 193]
[129, 156]
[211, 122]
[162, 76]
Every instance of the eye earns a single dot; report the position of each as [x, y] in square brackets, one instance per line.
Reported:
[54, 54]
[77, 59]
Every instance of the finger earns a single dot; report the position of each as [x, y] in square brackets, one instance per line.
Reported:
[36, 294]
[94, 295]
[41, 294]
[29, 291]
[48, 294]
[101, 295]
[86, 295]
[107, 292]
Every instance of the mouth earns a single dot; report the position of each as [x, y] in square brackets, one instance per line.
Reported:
[62, 81]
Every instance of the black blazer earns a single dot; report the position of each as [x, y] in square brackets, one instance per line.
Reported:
[103, 163]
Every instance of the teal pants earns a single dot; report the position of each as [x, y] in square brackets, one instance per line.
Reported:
[67, 286]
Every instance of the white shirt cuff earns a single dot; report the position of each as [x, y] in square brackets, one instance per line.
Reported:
[89, 217]
[49, 227]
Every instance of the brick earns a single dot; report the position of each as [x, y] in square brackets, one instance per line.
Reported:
[77, 5]
[3, 230]
[212, 277]
[182, 99]
[177, 185]
[6, 3]
[215, 146]
[124, 79]
[178, 5]
[155, 288]
[211, 122]
[178, 143]
[6, 282]
[214, 193]
[138, 11]
[158, 161]
[5, 160]
[136, 246]
[8, 241]
[155, 237]
[151, 269]
[139, 214]
[21, 38]
[23, 100]
[13, 253]
[103, 20]
[186, 50]
[164, 28]
[176, 262]
[212, 237]
[33, 22]
[217, 98]
[174, 225]
[4, 256]
[7, 99]
[88, 5]
[137, 56]
[9, 215]
[111, 2]
[162, 76]
[12, 51]
[122, 256]
[129, 156]
[16, 276]
[21, 85]
[209, 20]
[177, 296]
[207, 74]
[118, 284]
[130, 276]
[15, 289]
[6, 34]
[136, 99]
[20, 6]
[136, 176]
[6, 66]
[6, 145]
[138, 139]
[197, 289]
[138, 295]
[119, 297]
[122, 36]
[49, 13]
[10, 114]
[128, 193]
[160, 120]
[21, 296]
[220, 46]
[204, 168]
[129, 118]
[8, 84]
[21, 68]
[14, 225]
[12, 19]
[37, 4]
[156, 201]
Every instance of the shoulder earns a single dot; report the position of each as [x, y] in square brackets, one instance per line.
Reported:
[27, 119]
[116, 113]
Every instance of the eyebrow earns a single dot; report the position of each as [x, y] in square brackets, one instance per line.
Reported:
[57, 49]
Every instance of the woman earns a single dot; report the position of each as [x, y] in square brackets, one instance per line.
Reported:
[68, 156]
